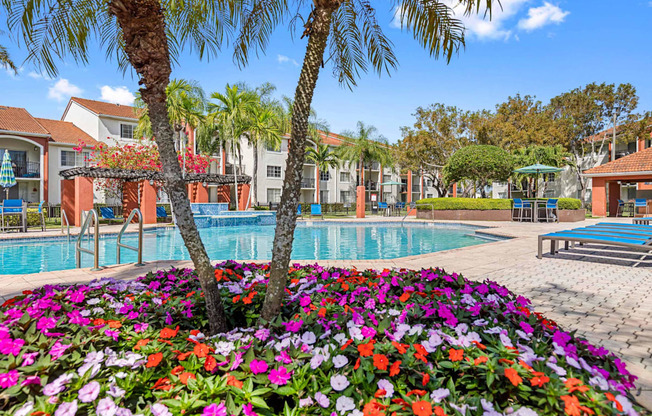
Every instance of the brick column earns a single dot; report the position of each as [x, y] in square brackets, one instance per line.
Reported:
[129, 198]
[409, 186]
[224, 193]
[83, 199]
[148, 203]
[599, 197]
[243, 196]
[614, 196]
[360, 202]
[201, 193]
[68, 199]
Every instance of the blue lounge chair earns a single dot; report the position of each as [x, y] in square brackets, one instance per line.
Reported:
[621, 207]
[14, 207]
[107, 214]
[521, 206]
[642, 221]
[640, 203]
[299, 214]
[161, 213]
[384, 207]
[629, 237]
[41, 214]
[315, 211]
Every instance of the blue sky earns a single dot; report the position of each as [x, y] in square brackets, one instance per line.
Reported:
[532, 47]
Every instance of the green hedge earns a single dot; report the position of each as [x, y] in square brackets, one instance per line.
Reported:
[569, 203]
[484, 203]
[33, 218]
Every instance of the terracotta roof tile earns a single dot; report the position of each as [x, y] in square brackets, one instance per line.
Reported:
[640, 161]
[108, 109]
[18, 119]
[66, 132]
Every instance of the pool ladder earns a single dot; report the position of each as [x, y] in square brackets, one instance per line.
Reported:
[91, 217]
[64, 216]
[138, 249]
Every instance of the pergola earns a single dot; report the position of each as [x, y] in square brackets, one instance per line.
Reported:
[139, 189]
[607, 179]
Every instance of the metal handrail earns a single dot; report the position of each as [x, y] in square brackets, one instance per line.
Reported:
[412, 207]
[138, 249]
[90, 217]
[64, 215]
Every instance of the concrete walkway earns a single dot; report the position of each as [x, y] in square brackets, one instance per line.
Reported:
[608, 301]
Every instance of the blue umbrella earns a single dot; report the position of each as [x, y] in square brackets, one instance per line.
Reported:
[7, 177]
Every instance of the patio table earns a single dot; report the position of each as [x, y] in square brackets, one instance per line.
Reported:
[535, 207]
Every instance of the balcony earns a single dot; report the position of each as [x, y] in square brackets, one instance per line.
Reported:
[416, 188]
[372, 186]
[307, 183]
[228, 170]
[372, 166]
[323, 185]
[24, 169]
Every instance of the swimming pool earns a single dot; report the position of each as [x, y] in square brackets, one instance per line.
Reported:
[313, 241]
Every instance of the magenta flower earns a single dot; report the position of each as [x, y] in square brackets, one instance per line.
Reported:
[58, 349]
[112, 334]
[293, 326]
[89, 392]
[258, 366]
[141, 327]
[31, 380]
[215, 410]
[10, 379]
[280, 376]
[46, 323]
[10, 346]
[248, 410]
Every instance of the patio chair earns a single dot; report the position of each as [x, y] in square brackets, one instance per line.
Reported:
[107, 214]
[41, 214]
[14, 207]
[640, 203]
[315, 211]
[621, 207]
[383, 206]
[521, 206]
[399, 207]
[161, 213]
[552, 210]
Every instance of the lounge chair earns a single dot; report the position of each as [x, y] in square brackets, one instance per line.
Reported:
[315, 211]
[399, 207]
[642, 221]
[636, 238]
[107, 214]
[521, 206]
[14, 207]
[621, 208]
[640, 203]
[299, 214]
[161, 213]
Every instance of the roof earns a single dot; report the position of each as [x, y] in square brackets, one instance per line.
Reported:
[19, 120]
[640, 161]
[66, 132]
[102, 108]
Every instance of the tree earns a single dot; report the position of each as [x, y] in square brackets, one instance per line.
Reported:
[136, 34]
[263, 131]
[357, 42]
[480, 164]
[323, 158]
[619, 103]
[556, 156]
[366, 147]
[5, 60]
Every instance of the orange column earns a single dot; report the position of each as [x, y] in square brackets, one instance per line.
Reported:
[409, 186]
[68, 198]
[148, 203]
[223, 163]
[46, 169]
[201, 193]
[83, 198]
[599, 197]
[454, 189]
[614, 196]
[360, 202]
[129, 198]
[224, 193]
[243, 195]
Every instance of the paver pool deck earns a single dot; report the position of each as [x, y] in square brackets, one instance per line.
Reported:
[608, 301]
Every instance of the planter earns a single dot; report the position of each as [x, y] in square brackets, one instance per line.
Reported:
[466, 214]
[572, 215]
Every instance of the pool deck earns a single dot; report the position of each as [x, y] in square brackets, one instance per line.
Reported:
[608, 301]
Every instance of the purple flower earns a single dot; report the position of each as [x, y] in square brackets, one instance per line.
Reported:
[387, 386]
[58, 349]
[322, 399]
[258, 366]
[106, 407]
[339, 382]
[280, 376]
[527, 328]
[439, 395]
[248, 410]
[67, 409]
[340, 361]
[8, 379]
[215, 410]
[344, 404]
[237, 360]
[89, 392]
[159, 409]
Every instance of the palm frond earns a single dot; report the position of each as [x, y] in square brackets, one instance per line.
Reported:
[258, 21]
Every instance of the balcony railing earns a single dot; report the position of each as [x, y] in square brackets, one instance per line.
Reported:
[239, 169]
[308, 183]
[372, 166]
[26, 169]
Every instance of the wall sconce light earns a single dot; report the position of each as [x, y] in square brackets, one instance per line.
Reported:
[151, 182]
[36, 148]
[204, 184]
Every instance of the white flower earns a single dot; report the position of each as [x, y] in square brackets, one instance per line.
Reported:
[106, 407]
[340, 361]
[524, 411]
[344, 404]
[67, 409]
[340, 338]
[25, 409]
[308, 338]
[440, 394]
[159, 409]
[339, 382]
[224, 348]
[387, 386]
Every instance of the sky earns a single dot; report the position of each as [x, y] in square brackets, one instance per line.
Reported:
[536, 47]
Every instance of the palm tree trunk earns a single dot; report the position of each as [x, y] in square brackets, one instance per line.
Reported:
[143, 29]
[255, 174]
[317, 196]
[287, 211]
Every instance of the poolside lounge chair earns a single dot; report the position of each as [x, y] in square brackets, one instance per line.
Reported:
[161, 213]
[640, 203]
[521, 206]
[14, 207]
[107, 214]
[642, 221]
[315, 211]
[621, 208]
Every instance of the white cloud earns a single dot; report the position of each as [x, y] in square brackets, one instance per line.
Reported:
[396, 21]
[63, 90]
[117, 95]
[480, 26]
[36, 75]
[539, 17]
[283, 59]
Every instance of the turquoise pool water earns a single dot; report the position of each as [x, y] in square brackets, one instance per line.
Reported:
[314, 241]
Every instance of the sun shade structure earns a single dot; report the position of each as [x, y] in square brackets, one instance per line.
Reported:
[390, 183]
[7, 177]
[535, 170]
[134, 175]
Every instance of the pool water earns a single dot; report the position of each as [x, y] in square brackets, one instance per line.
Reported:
[313, 241]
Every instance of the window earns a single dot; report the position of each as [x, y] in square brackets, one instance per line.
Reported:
[273, 195]
[273, 148]
[71, 158]
[324, 176]
[273, 171]
[387, 197]
[323, 197]
[387, 178]
[345, 177]
[345, 197]
[126, 131]
[429, 195]
[551, 177]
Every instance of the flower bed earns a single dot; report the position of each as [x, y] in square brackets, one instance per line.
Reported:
[348, 342]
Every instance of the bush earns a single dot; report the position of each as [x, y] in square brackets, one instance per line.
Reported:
[326, 208]
[464, 203]
[361, 343]
[261, 208]
[569, 203]
[33, 218]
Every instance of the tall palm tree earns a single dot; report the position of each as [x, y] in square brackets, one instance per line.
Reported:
[5, 59]
[357, 42]
[135, 33]
[263, 131]
[324, 158]
[365, 148]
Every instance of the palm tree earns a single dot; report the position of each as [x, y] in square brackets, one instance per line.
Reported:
[5, 60]
[263, 131]
[134, 32]
[323, 158]
[555, 156]
[356, 41]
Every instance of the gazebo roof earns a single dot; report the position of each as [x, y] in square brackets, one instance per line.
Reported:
[636, 163]
[133, 175]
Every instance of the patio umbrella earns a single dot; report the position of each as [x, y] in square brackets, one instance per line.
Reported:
[536, 169]
[7, 178]
[390, 183]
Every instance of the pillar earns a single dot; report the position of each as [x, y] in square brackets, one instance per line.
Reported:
[190, 188]
[148, 203]
[243, 196]
[454, 189]
[68, 199]
[129, 198]
[201, 193]
[614, 195]
[409, 186]
[224, 193]
[360, 202]
[599, 197]
[83, 199]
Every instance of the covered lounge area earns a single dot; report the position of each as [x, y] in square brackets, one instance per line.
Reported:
[627, 179]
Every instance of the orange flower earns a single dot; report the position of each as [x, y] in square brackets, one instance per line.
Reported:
[366, 350]
[184, 377]
[539, 380]
[480, 360]
[357, 364]
[439, 411]
[506, 361]
[419, 393]
[477, 344]
[373, 408]
[169, 332]
[395, 368]
[346, 345]
[380, 393]
[99, 322]
[402, 348]
[232, 381]
[572, 406]
[177, 370]
[573, 384]
[114, 324]
[201, 350]
[513, 376]
[154, 359]
[612, 398]
[422, 408]
[404, 297]
[210, 364]
[321, 312]
[380, 362]
[141, 343]
[183, 356]
[455, 355]
[236, 299]
[162, 383]
[425, 379]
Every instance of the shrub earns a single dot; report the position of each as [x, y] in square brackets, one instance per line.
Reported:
[261, 208]
[464, 203]
[569, 203]
[361, 343]
[33, 218]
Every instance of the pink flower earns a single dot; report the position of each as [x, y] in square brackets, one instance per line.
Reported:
[106, 407]
[248, 410]
[293, 326]
[8, 379]
[9, 346]
[46, 323]
[89, 392]
[58, 349]
[280, 376]
[31, 380]
[258, 366]
[67, 409]
[215, 410]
